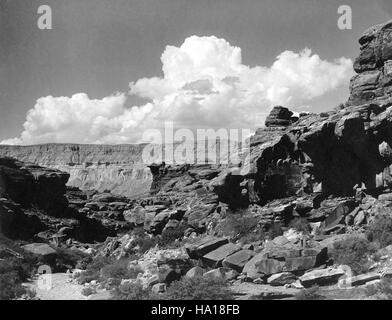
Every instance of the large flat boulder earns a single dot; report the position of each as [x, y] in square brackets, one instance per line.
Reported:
[285, 257]
[215, 257]
[360, 279]
[280, 279]
[237, 260]
[321, 277]
[40, 249]
[200, 248]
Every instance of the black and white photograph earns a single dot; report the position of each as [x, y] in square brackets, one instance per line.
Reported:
[200, 156]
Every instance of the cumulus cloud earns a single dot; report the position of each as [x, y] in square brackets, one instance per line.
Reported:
[204, 85]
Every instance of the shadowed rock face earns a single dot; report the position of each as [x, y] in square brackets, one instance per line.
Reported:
[33, 200]
[329, 153]
[29, 184]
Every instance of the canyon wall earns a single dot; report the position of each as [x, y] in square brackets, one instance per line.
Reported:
[118, 168]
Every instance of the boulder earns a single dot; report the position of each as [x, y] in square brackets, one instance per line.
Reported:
[237, 260]
[360, 218]
[284, 258]
[151, 281]
[337, 216]
[360, 279]
[167, 274]
[216, 274]
[202, 247]
[108, 198]
[260, 266]
[195, 272]
[321, 277]
[385, 197]
[159, 222]
[39, 249]
[171, 225]
[44, 252]
[158, 288]
[215, 257]
[281, 279]
[279, 117]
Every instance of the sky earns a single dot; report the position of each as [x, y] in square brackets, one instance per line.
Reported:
[110, 70]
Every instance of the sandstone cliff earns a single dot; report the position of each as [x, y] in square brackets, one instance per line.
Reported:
[117, 168]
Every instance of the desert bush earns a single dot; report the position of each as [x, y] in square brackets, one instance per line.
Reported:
[119, 269]
[198, 289]
[69, 258]
[93, 269]
[104, 268]
[237, 225]
[354, 252]
[340, 106]
[143, 243]
[312, 293]
[130, 291]
[13, 272]
[381, 290]
[83, 263]
[380, 230]
[10, 286]
[300, 225]
[275, 230]
[254, 236]
[88, 291]
[170, 237]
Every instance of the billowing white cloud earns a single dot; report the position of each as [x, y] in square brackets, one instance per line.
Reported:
[204, 84]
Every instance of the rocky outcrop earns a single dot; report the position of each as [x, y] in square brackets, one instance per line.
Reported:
[28, 184]
[36, 205]
[280, 117]
[373, 84]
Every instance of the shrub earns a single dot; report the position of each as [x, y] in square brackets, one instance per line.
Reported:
[254, 236]
[10, 286]
[170, 237]
[198, 289]
[104, 268]
[353, 252]
[88, 291]
[13, 272]
[237, 225]
[381, 290]
[120, 269]
[130, 291]
[380, 230]
[340, 106]
[301, 225]
[144, 243]
[69, 258]
[275, 230]
[309, 294]
[93, 270]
